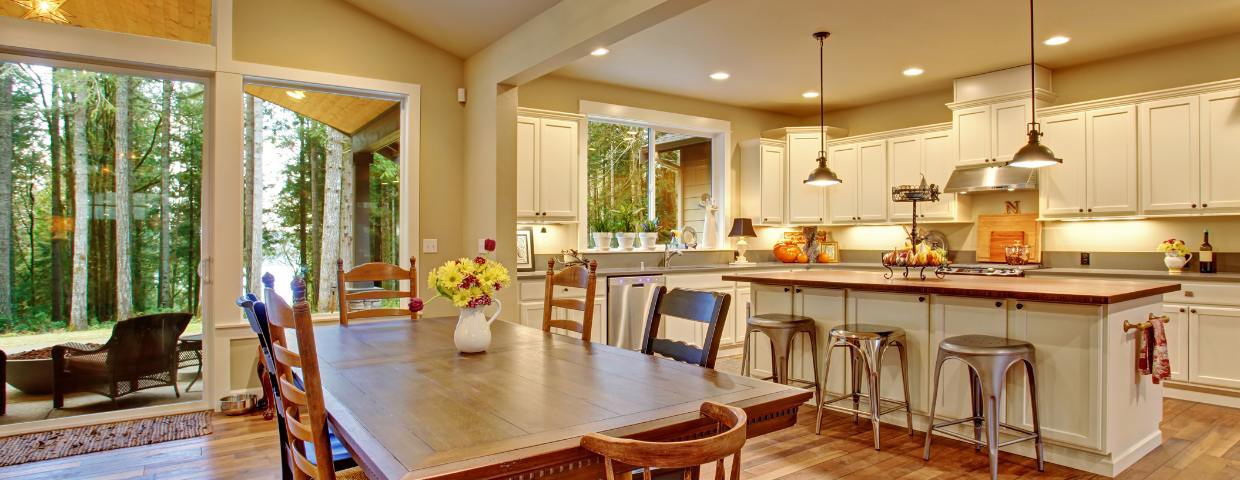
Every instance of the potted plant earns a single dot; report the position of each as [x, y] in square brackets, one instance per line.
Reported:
[648, 233]
[626, 228]
[600, 231]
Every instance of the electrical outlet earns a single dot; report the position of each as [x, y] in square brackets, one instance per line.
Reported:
[430, 245]
[1084, 258]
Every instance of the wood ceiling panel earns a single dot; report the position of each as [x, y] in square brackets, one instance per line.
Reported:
[342, 112]
[182, 20]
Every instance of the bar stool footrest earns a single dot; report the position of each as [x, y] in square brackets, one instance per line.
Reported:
[939, 428]
[893, 406]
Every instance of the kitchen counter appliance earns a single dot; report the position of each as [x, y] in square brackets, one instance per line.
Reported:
[628, 300]
[989, 269]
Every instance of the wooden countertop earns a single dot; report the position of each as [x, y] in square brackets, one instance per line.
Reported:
[1058, 290]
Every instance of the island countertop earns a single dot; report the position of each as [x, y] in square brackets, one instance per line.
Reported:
[1058, 290]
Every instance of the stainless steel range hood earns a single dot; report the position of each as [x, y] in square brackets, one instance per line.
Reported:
[991, 179]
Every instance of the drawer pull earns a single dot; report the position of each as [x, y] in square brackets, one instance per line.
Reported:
[1188, 293]
[921, 299]
[1193, 310]
[1020, 306]
[798, 290]
[998, 304]
[787, 289]
[1181, 310]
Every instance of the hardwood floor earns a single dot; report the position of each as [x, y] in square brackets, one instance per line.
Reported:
[1200, 442]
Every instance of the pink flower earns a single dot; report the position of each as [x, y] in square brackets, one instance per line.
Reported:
[489, 245]
[415, 305]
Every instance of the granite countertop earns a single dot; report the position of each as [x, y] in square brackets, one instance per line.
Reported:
[1135, 274]
[1058, 290]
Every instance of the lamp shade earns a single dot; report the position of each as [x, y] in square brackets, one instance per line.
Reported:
[822, 175]
[1034, 154]
[742, 227]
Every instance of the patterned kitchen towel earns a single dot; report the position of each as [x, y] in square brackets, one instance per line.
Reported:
[1154, 360]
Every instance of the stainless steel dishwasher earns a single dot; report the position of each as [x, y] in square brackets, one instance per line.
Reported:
[628, 300]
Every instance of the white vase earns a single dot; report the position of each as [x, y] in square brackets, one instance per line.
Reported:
[602, 241]
[473, 329]
[649, 239]
[1175, 262]
[626, 240]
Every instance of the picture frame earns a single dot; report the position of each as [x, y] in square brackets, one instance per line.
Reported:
[832, 250]
[525, 250]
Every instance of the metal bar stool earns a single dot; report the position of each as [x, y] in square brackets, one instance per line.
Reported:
[867, 343]
[989, 359]
[781, 328]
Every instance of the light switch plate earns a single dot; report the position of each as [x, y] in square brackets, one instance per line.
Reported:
[482, 246]
[430, 245]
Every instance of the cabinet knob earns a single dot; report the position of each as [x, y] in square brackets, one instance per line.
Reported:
[1181, 310]
[998, 304]
[1090, 209]
[1193, 310]
[565, 289]
[1082, 210]
[1203, 205]
[798, 290]
[1194, 205]
[921, 299]
[1020, 306]
[787, 289]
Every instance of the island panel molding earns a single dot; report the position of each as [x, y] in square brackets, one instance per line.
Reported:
[1086, 292]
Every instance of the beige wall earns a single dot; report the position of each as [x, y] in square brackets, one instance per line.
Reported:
[1187, 64]
[334, 36]
[912, 111]
[563, 94]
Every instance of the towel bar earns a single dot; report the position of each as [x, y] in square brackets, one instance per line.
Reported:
[1144, 325]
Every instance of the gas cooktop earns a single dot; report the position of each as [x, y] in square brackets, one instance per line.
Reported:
[991, 269]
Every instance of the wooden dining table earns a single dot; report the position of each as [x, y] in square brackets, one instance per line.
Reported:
[410, 406]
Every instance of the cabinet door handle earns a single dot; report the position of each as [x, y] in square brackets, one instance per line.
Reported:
[1181, 310]
[787, 289]
[1193, 310]
[798, 290]
[921, 299]
[1020, 306]
[1082, 210]
[1194, 205]
[998, 304]
[1090, 209]
[1203, 205]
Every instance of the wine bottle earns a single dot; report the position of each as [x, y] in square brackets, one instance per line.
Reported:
[1205, 258]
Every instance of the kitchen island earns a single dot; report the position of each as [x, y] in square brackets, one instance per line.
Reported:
[1098, 414]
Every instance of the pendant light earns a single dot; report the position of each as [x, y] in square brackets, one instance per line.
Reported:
[822, 175]
[1033, 154]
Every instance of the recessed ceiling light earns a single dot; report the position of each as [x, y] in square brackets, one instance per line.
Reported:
[601, 51]
[1057, 40]
[298, 94]
[913, 71]
[809, 94]
[719, 76]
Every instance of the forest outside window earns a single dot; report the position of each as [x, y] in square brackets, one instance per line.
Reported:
[322, 183]
[625, 181]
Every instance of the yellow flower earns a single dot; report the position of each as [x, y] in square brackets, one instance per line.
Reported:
[451, 278]
[461, 298]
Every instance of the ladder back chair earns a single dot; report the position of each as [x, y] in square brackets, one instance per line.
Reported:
[710, 308]
[576, 276]
[256, 313]
[688, 455]
[375, 272]
[307, 434]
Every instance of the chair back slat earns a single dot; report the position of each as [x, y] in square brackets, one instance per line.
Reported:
[256, 313]
[576, 276]
[374, 272]
[310, 426]
[691, 454]
[696, 305]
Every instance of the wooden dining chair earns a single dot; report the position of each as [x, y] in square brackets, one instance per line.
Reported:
[577, 276]
[375, 272]
[689, 455]
[710, 308]
[307, 433]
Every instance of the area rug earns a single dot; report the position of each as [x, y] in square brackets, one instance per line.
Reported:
[33, 447]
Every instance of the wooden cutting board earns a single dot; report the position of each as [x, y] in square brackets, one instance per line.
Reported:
[1022, 222]
[998, 240]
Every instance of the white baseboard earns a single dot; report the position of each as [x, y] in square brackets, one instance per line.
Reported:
[1178, 392]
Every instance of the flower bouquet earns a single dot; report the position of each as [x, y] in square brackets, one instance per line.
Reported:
[470, 285]
[1177, 255]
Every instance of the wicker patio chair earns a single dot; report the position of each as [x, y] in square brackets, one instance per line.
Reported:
[141, 354]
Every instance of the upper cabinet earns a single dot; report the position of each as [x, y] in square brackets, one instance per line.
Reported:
[863, 195]
[1099, 174]
[807, 204]
[1190, 154]
[909, 158]
[764, 184]
[548, 159]
[1220, 151]
[773, 173]
[990, 134]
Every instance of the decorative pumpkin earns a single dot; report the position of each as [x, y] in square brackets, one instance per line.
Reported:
[787, 254]
[802, 258]
[824, 258]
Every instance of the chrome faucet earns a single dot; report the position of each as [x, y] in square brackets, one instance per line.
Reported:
[668, 253]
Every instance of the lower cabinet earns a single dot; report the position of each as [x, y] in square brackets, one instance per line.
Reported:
[1213, 333]
[1177, 340]
[950, 317]
[912, 313]
[532, 316]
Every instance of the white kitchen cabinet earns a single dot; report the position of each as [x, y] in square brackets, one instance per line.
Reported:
[1170, 155]
[547, 165]
[532, 314]
[1062, 188]
[766, 299]
[863, 195]
[764, 182]
[1069, 346]
[1111, 156]
[949, 317]
[1220, 151]
[1214, 333]
[739, 316]
[973, 138]
[991, 134]
[908, 159]
[1177, 340]
[807, 204]
[912, 313]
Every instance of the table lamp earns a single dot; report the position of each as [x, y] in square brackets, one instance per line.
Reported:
[742, 227]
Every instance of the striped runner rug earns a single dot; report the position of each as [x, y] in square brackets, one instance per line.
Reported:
[33, 447]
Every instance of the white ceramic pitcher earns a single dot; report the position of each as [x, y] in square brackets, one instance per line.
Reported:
[473, 329]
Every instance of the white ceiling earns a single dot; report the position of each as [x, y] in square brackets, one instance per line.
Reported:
[461, 27]
[768, 48]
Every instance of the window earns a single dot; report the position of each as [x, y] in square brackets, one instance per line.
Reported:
[329, 177]
[625, 180]
[100, 215]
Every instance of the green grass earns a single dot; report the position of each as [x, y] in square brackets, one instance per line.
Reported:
[102, 331]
